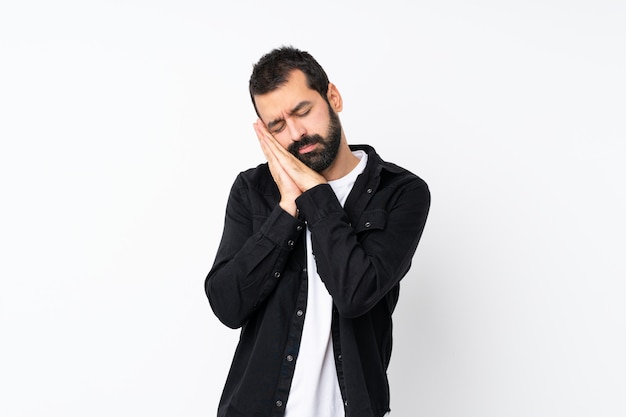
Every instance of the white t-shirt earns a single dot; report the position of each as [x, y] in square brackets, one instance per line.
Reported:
[315, 387]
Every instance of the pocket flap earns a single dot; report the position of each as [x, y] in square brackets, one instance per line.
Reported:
[372, 219]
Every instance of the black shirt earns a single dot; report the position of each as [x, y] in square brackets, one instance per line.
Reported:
[259, 282]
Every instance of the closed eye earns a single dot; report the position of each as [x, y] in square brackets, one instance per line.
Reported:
[304, 113]
[277, 127]
[302, 109]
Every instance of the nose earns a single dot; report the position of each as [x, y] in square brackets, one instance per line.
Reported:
[296, 130]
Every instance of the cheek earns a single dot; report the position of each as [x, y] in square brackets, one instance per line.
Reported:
[318, 123]
[321, 113]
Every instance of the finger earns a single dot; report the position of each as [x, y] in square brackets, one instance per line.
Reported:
[291, 166]
[260, 127]
[262, 135]
[269, 146]
[265, 136]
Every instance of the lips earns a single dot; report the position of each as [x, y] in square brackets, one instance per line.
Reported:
[306, 145]
[307, 148]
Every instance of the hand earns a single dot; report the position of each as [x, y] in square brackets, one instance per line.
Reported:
[291, 175]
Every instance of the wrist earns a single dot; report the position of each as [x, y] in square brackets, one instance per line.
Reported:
[290, 207]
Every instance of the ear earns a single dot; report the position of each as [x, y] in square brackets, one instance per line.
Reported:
[334, 98]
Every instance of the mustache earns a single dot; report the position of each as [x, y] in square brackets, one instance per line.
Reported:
[304, 141]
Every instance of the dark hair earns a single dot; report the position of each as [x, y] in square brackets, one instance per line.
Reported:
[273, 70]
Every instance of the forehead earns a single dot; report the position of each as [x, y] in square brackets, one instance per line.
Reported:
[278, 103]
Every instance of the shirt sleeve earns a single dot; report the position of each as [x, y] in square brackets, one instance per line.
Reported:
[248, 262]
[360, 263]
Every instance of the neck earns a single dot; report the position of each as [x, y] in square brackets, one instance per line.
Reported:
[342, 165]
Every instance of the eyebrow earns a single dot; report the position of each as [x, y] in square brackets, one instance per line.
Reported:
[296, 109]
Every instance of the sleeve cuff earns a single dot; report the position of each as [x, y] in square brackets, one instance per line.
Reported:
[317, 203]
[281, 228]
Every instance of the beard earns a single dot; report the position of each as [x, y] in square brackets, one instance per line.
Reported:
[320, 159]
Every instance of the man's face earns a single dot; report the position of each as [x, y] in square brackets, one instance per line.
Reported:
[322, 156]
[302, 122]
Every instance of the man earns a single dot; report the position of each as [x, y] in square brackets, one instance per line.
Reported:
[315, 243]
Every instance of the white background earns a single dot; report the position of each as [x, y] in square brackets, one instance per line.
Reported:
[124, 123]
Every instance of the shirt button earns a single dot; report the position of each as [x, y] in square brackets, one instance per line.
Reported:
[367, 224]
[279, 403]
[290, 242]
[369, 191]
[345, 403]
[303, 269]
[299, 228]
[299, 313]
[289, 358]
[339, 357]
[277, 274]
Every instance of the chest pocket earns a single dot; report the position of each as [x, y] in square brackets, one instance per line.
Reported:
[371, 220]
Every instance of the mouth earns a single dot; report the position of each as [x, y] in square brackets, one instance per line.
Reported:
[307, 148]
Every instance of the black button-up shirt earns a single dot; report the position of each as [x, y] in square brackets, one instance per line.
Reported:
[259, 282]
